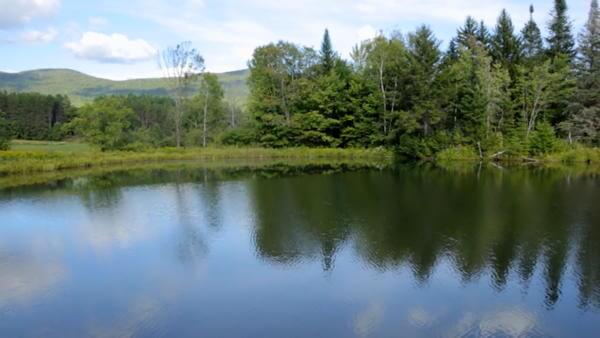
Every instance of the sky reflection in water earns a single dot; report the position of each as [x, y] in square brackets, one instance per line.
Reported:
[280, 253]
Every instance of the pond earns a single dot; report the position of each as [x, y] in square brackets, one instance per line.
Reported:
[309, 251]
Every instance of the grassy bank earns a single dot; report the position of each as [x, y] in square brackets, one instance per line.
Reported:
[49, 146]
[566, 156]
[36, 161]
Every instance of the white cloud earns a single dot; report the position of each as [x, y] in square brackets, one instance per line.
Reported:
[366, 32]
[33, 36]
[16, 13]
[227, 43]
[114, 48]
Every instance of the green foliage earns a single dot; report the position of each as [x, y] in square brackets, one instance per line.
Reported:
[467, 32]
[585, 120]
[327, 54]
[424, 62]
[574, 154]
[106, 123]
[515, 143]
[506, 47]
[205, 113]
[35, 116]
[311, 129]
[484, 98]
[19, 162]
[533, 46]
[238, 137]
[273, 132]
[560, 41]
[4, 133]
[543, 140]
[276, 74]
[458, 153]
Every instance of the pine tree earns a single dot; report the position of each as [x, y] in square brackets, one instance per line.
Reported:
[588, 61]
[483, 35]
[4, 137]
[586, 121]
[532, 39]
[452, 52]
[466, 32]
[560, 41]
[328, 56]
[424, 57]
[506, 47]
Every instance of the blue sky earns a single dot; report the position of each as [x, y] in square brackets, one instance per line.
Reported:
[118, 39]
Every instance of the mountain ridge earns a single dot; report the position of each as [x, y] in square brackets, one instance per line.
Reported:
[82, 88]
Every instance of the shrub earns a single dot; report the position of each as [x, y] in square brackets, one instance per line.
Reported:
[458, 153]
[238, 137]
[4, 133]
[543, 140]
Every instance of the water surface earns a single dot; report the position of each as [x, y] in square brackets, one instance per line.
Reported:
[316, 251]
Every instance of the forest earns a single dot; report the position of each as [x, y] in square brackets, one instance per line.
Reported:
[494, 92]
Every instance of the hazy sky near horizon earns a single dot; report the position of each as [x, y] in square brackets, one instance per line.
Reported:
[119, 39]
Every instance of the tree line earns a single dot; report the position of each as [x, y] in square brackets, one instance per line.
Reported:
[495, 91]
[115, 122]
[33, 116]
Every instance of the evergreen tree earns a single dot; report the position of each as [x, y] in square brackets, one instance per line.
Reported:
[560, 41]
[532, 39]
[506, 47]
[327, 55]
[4, 134]
[452, 52]
[471, 75]
[586, 120]
[588, 61]
[467, 31]
[543, 140]
[424, 58]
[483, 35]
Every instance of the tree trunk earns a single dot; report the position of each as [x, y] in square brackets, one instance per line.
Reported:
[382, 87]
[204, 119]
[177, 120]
[284, 102]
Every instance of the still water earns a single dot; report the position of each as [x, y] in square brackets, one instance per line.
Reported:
[316, 251]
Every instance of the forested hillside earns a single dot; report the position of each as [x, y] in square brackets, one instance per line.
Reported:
[81, 88]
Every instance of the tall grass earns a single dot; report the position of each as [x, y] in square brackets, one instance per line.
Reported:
[23, 162]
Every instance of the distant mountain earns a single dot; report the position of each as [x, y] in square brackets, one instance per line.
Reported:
[83, 88]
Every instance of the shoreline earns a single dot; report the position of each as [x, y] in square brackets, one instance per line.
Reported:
[14, 163]
[29, 162]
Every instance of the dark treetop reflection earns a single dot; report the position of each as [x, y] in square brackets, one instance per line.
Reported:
[315, 251]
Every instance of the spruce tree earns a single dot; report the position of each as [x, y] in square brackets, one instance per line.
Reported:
[483, 35]
[506, 47]
[452, 52]
[532, 39]
[586, 120]
[466, 32]
[424, 62]
[588, 61]
[327, 54]
[560, 41]
[4, 137]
